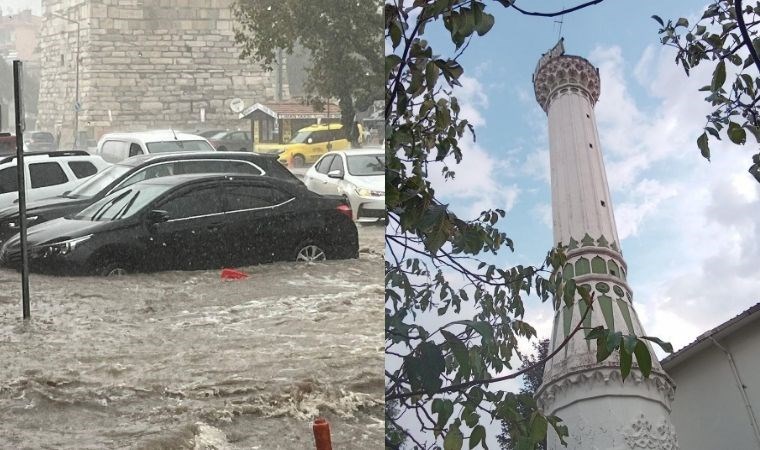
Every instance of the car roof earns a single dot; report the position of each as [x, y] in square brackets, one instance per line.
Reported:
[324, 126]
[359, 151]
[153, 136]
[52, 154]
[137, 160]
[176, 180]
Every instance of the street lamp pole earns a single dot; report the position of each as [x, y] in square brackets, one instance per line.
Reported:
[77, 106]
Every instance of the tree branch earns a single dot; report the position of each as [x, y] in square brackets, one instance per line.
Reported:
[461, 386]
[509, 3]
[745, 34]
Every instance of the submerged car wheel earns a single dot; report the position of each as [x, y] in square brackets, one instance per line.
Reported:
[310, 252]
[113, 269]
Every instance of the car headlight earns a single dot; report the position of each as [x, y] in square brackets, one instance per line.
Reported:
[15, 224]
[364, 192]
[62, 248]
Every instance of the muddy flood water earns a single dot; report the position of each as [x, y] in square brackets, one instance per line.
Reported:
[184, 360]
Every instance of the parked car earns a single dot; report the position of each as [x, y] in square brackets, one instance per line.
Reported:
[7, 144]
[136, 169]
[39, 141]
[357, 175]
[208, 133]
[186, 222]
[115, 147]
[232, 140]
[46, 174]
[310, 143]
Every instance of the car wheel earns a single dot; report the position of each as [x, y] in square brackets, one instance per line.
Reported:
[310, 252]
[298, 161]
[113, 268]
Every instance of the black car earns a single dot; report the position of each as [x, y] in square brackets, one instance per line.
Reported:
[136, 169]
[185, 222]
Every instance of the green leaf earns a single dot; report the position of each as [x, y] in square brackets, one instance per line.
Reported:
[395, 32]
[643, 358]
[431, 75]
[485, 24]
[704, 147]
[659, 20]
[601, 350]
[682, 22]
[459, 350]
[719, 76]
[663, 345]
[483, 328]
[425, 367]
[444, 408]
[454, 440]
[478, 436]
[626, 360]
[597, 332]
[736, 133]
[538, 428]
[614, 341]
[569, 292]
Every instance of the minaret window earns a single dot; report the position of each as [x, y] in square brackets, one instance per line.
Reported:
[598, 265]
[582, 267]
[614, 269]
[603, 204]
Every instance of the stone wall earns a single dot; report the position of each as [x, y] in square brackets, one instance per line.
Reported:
[146, 64]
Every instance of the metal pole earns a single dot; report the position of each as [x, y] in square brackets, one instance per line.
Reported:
[77, 106]
[20, 125]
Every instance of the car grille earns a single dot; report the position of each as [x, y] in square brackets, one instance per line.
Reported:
[364, 212]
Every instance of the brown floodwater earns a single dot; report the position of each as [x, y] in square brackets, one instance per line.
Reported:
[184, 360]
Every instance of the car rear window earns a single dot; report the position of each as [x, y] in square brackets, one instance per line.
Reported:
[8, 180]
[46, 174]
[83, 169]
[179, 146]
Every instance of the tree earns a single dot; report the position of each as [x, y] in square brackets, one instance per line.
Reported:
[726, 36]
[440, 363]
[532, 380]
[342, 36]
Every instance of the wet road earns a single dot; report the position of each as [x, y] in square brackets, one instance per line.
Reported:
[183, 360]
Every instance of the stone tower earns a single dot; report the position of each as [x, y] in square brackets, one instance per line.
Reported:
[145, 64]
[601, 411]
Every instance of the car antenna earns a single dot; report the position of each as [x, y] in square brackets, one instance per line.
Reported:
[175, 134]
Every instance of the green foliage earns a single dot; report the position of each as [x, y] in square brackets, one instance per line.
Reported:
[342, 36]
[452, 319]
[720, 38]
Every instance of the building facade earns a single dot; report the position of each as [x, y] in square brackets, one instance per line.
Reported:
[18, 36]
[144, 64]
[718, 377]
[602, 411]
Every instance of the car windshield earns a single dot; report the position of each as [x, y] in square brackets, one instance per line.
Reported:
[219, 135]
[98, 182]
[122, 203]
[179, 146]
[366, 165]
[43, 137]
[301, 137]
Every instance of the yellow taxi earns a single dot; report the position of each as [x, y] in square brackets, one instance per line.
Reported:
[314, 141]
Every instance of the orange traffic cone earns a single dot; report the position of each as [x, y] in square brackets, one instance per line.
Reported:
[322, 434]
[232, 274]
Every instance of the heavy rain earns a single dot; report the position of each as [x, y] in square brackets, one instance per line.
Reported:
[204, 224]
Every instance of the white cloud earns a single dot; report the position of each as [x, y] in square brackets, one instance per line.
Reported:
[472, 100]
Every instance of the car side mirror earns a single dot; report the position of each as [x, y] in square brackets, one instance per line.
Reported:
[158, 216]
[309, 141]
[337, 173]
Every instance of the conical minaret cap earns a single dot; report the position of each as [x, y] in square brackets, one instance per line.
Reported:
[557, 73]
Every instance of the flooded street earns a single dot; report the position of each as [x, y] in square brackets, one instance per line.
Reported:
[184, 360]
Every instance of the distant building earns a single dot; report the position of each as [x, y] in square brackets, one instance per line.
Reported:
[18, 36]
[718, 377]
[143, 65]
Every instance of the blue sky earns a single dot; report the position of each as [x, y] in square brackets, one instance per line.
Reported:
[688, 227]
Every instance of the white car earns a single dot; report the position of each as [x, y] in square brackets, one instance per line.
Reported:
[47, 174]
[357, 175]
[115, 147]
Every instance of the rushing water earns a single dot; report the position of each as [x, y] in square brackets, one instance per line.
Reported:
[184, 360]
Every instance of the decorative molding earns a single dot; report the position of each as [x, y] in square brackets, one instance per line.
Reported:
[644, 435]
[566, 73]
[604, 375]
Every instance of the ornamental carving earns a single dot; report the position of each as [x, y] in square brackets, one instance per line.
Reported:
[644, 435]
[563, 74]
[556, 384]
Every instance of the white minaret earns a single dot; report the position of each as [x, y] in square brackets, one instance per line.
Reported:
[601, 411]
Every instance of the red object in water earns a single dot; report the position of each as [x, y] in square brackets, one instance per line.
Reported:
[232, 274]
[322, 434]
[345, 210]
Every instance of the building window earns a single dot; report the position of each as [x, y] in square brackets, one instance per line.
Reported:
[62, 59]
